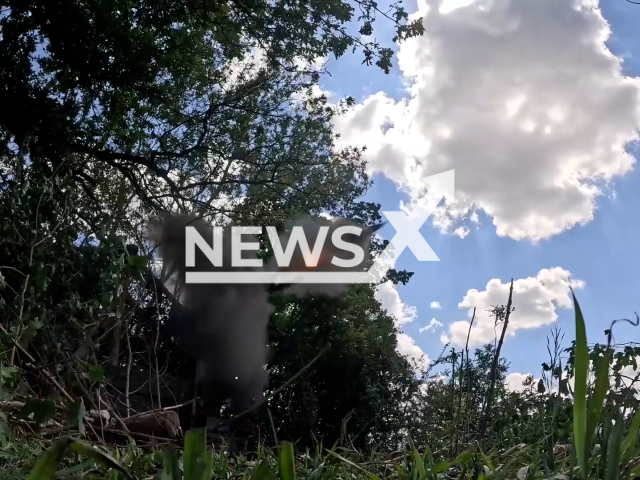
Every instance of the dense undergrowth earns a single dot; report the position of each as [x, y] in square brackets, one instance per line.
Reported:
[603, 433]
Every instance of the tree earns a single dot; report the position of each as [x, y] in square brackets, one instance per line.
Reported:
[165, 97]
[128, 107]
[448, 409]
[357, 389]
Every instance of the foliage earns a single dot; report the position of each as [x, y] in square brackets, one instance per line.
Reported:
[360, 380]
[127, 107]
[130, 107]
[615, 456]
[182, 104]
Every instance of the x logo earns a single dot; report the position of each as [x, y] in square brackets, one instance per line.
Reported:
[408, 235]
[408, 227]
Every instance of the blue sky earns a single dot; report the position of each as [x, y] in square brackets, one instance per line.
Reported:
[601, 252]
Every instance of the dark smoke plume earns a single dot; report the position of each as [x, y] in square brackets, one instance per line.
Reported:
[224, 326]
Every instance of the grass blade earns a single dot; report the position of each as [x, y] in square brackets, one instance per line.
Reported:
[195, 442]
[581, 367]
[487, 461]
[170, 465]
[631, 434]
[286, 461]
[262, 472]
[614, 451]
[444, 466]
[349, 462]
[99, 456]
[422, 473]
[596, 401]
[46, 466]
[208, 465]
[79, 468]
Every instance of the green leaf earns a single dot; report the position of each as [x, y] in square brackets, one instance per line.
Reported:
[76, 416]
[613, 453]
[170, 464]
[46, 466]
[107, 298]
[31, 331]
[138, 263]
[488, 462]
[580, 367]
[7, 378]
[596, 401]
[428, 455]
[349, 462]
[42, 410]
[464, 457]
[7, 372]
[208, 465]
[198, 463]
[4, 431]
[422, 473]
[99, 456]
[631, 434]
[96, 373]
[262, 472]
[75, 469]
[286, 462]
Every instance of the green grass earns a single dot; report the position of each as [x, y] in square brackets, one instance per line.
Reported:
[605, 445]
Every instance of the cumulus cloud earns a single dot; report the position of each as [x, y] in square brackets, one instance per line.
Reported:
[521, 97]
[514, 381]
[435, 305]
[535, 300]
[433, 324]
[407, 346]
[389, 298]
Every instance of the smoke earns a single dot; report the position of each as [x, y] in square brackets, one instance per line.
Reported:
[311, 228]
[224, 326]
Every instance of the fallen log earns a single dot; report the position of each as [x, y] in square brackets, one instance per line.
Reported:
[163, 424]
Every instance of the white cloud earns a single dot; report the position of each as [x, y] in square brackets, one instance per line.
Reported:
[247, 67]
[521, 97]
[326, 215]
[389, 298]
[514, 381]
[461, 231]
[433, 324]
[435, 305]
[629, 374]
[535, 300]
[407, 346]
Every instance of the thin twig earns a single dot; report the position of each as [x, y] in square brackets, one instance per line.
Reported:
[44, 371]
[21, 310]
[113, 412]
[99, 413]
[139, 435]
[468, 398]
[494, 367]
[453, 391]
[155, 343]
[165, 409]
[128, 372]
[282, 387]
